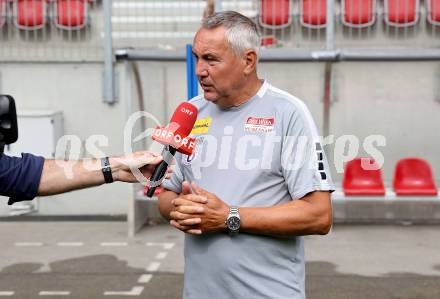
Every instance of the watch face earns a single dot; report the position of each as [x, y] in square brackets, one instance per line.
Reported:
[233, 223]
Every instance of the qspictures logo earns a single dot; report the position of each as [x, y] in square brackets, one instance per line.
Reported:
[225, 150]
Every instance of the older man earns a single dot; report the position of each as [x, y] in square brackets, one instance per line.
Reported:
[258, 180]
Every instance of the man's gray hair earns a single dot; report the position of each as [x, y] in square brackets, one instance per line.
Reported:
[241, 32]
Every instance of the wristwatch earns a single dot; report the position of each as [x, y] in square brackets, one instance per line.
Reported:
[106, 170]
[233, 220]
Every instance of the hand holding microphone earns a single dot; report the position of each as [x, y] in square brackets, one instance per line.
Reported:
[175, 137]
[145, 161]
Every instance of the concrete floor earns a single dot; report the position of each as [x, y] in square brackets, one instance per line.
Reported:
[97, 260]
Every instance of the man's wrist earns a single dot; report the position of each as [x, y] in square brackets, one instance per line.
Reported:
[224, 225]
[116, 167]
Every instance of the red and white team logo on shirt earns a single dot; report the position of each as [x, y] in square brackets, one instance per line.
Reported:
[259, 124]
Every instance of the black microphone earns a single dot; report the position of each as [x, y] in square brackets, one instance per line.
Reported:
[8, 121]
[175, 137]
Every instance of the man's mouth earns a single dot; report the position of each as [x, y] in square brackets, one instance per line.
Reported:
[205, 86]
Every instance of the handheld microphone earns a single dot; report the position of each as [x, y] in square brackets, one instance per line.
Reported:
[175, 137]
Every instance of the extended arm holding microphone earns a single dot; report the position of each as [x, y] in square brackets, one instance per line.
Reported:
[64, 176]
[23, 178]
[26, 177]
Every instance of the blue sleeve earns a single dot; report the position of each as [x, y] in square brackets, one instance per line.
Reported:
[20, 177]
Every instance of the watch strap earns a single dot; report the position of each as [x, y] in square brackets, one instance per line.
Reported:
[233, 212]
[106, 170]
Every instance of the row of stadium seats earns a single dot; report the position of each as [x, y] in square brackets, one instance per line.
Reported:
[276, 14]
[412, 177]
[35, 14]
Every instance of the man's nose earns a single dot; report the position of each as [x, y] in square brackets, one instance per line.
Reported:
[201, 70]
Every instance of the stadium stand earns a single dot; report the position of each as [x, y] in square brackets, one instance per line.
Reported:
[433, 11]
[171, 24]
[71, 14]
[314, 13]
[30, 14]
[401, 13]
[358, 13]
[275, 14]
[360, 181]
[413, 176]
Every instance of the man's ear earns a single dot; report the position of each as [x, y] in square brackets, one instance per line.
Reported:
[250, 60]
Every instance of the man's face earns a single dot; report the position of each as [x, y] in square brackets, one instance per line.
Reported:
[219, 70]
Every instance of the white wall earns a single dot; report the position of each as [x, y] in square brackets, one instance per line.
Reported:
[395, 99]
[74, 89]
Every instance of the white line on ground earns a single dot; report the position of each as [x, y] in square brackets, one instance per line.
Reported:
[54, 293]
[114, 244]
[74, 244]
[161, 255]
[153, 267]
[145, 278]
[30, 244]
[135, 291]
[166, 246]
[7, 293]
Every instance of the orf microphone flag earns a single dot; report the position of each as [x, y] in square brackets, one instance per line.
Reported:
[175, 137]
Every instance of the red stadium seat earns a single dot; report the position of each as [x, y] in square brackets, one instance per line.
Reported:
[275, 14]
[401, 13]
[3, 12]
[30, 14]
[314, 13]
[358, 13]
[413, 176]
[268, 41]
[360, 181]
[433, 11]
[71, 14]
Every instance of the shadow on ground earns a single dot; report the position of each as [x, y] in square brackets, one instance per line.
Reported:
[91, 276]
[86, 277]
[324, 282]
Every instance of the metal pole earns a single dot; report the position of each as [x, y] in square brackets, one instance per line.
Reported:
[287, 55]
[192, 84]
[327, 97]
[109, 76]
[330, 47]
[330, 28]
[189, 76]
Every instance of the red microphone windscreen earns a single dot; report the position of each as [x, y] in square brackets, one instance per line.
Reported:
[183, 119]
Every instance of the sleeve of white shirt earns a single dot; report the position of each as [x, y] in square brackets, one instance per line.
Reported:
[304, 163]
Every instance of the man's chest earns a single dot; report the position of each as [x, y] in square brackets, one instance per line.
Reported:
[240, 141]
